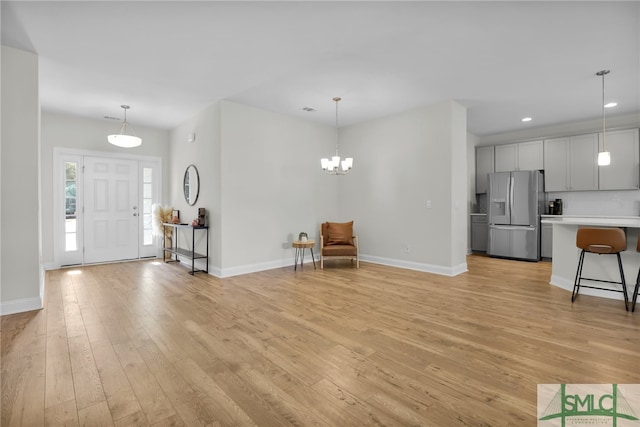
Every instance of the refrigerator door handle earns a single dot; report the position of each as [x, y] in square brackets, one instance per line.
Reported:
[511, 185]
[513, 227]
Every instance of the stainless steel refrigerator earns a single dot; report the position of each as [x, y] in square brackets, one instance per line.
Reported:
[515, 203]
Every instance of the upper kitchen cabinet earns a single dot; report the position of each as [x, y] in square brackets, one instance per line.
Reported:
[570, 163]
[484, 166]
[519, 157]
[624, 171]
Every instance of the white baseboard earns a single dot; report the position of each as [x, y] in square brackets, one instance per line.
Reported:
[254, 268]
[428, 268]
[241, 269]
[567, 285]
[410, 265]
[20, 305]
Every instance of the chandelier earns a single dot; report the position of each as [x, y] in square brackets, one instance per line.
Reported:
[334, 166]
[604, 157]
[123, 140]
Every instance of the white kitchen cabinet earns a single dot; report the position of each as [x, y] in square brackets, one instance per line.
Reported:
[519, 157]
[530, 156]
[624, 171]
[556, 164]
[484, 166]
[583, 163]
[506, 157]
[570, 164]
[546, 241]
[479, 233]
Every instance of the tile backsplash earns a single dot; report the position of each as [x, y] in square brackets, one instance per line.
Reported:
[613, 203]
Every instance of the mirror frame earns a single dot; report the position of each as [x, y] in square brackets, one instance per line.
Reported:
[191, 187]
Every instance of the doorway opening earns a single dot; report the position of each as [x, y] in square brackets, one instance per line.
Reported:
[102, 207]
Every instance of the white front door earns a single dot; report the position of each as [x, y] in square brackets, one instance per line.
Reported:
[111, 211]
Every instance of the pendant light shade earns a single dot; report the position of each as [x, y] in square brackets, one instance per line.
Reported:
[604, 157]
[335, 166]
[122, 139]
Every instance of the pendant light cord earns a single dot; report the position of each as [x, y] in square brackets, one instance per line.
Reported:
[604, 119]
[604, 114]
[337, 99]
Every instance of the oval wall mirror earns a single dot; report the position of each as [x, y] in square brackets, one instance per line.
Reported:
[191, 185]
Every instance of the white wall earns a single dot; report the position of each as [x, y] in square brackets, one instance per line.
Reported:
[272, 186]
[402, 162]
[459, 176]
[79, 133]
[204, 153]
[22, 278]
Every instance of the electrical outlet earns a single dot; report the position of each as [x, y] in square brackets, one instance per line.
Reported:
[407, 249]
[428, 204]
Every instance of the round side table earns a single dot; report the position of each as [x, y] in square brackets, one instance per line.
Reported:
[300, 247]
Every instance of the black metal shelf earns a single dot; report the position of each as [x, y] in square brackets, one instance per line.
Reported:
[176, 251]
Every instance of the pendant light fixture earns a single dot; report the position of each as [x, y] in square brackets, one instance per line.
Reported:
[604, 157]
[334, 166]
[122, 139]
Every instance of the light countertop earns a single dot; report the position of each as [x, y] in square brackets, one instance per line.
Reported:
[594, 220]
[479, 213]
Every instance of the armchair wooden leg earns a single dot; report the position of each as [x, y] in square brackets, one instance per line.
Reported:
[321, 262]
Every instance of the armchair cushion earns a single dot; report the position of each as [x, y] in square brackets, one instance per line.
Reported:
[339, 250]
[340, 233]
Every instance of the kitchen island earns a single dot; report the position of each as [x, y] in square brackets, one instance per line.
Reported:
[605, 267]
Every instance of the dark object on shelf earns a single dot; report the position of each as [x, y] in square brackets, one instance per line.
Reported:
[202, 213]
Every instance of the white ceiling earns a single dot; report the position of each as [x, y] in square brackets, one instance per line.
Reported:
[169, 60]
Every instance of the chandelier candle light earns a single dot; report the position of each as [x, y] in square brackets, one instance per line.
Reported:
[122, 139]
[334, 166]
[604, 157]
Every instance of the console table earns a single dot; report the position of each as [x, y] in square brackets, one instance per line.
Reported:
[174, 250]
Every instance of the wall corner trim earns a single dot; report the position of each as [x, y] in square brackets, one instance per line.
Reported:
[20, 305]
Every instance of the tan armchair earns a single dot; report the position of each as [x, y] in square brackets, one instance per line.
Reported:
[337, 241]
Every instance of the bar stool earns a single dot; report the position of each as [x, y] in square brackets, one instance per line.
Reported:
[601, 241]
[634, 298]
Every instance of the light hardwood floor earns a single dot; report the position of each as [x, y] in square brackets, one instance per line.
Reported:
[144, 343]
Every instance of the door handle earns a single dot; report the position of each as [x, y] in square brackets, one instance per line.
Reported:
[512, 182]
[135, 214]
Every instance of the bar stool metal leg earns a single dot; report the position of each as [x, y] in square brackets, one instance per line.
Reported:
[624, 284]
[634, 298]
[576, 282]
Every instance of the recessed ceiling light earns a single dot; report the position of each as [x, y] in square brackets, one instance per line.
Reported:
[527, 119]
[610, 105]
